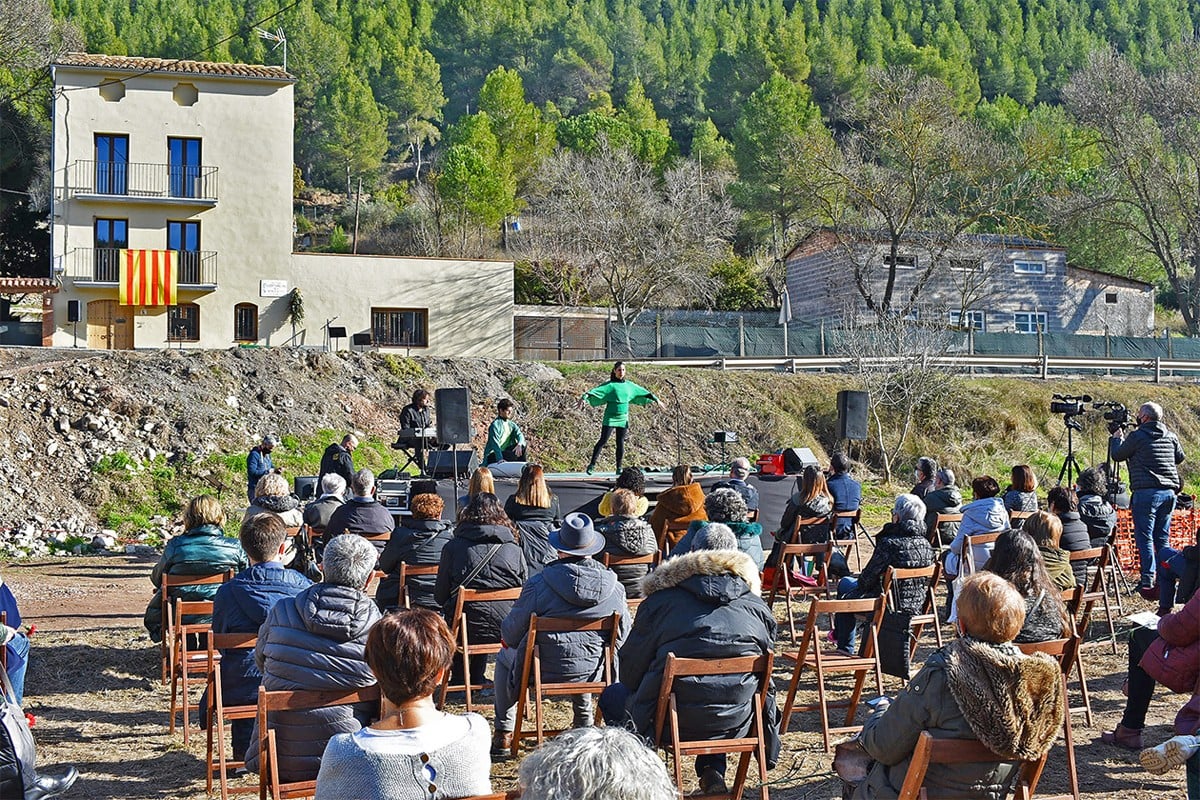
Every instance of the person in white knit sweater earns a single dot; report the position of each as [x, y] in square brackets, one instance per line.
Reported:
[415, 752]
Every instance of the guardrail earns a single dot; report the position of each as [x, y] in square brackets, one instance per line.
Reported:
[1041, 366]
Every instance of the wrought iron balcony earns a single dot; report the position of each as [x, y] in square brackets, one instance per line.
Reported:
[102, 266]
[176, 183]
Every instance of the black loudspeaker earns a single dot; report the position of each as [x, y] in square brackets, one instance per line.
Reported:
[795, 459]
[453, 408]
[305, 487]
[72, 311]
[423, 486]
[852, 415]
[440, 463]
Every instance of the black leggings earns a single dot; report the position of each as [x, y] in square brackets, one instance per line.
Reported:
[1141, 685]
[605, 432]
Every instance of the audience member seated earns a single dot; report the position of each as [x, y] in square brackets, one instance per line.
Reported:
[739, 470]
[1178, 575]
[1095, 511]
[242, 606]
[418, 541]
[484, 549]
[274, 496]
[533, 508]
[578, 587]
[902, 544]
[979, 686]
[846, 492]
[703, 604]
[944, 499]
[202, 549]
[608, 763]
[481, 481]
[811, 499]
[633, 480]
[627, 534]
[317, 513]
[1021, 494]
[1018, 560]
[14, 642]
[316, 641]
[727, 507]
[682, 503]
[925, 475]
[414, 752]
[362, 514]
[1147, 665]
[1063, 503]
[1046, 531]
[985, 514]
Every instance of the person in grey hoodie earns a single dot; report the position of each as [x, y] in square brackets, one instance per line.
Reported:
[1153, 453]
[576, 586]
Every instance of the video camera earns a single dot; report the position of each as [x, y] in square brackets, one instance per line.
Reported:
[1069, 405]
[1117, 415]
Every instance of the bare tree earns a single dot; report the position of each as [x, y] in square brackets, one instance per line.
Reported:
[907, 183]
[30, 40]
[627, 234]
[893, 359]
[1148, 187]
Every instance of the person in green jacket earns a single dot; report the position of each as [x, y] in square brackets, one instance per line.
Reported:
[505, 442]
[616, 395]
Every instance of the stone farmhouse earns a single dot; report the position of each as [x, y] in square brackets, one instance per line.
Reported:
[172, 226]
[991, 283]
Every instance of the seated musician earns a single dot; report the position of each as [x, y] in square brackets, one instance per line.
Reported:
[415, 420]
[505, 441]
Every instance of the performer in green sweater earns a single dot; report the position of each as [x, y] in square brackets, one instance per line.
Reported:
[616, 395]
[505, 442]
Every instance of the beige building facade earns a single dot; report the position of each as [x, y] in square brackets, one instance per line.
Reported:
[188, 167]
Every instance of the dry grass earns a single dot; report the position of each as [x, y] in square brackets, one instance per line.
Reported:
[99, 705]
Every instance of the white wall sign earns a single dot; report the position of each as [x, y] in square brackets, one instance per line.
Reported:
[272, 288]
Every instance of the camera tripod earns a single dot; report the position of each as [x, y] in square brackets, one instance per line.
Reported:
[1070, 468]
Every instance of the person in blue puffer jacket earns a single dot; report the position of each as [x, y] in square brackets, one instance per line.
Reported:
[202, 549]
[242, 605]
[317, 641]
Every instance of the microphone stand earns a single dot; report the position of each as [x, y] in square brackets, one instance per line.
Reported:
[678, 421]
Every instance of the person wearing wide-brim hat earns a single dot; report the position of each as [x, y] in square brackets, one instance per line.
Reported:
[576, 586]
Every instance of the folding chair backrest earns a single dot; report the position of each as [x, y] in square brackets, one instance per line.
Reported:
[806, 522]
[315, 535]
[1013, 516]
[866, 605]
[407, 573]
[962, 751]
[650, 559]
[1098, 555]
[935, 533]
[382, 536]
[759, 666]
[609, 626]
[892, 574]
[969, 544]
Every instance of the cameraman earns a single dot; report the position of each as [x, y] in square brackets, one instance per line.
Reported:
[1152, 452]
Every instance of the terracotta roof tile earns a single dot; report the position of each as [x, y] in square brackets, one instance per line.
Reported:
[173, 66]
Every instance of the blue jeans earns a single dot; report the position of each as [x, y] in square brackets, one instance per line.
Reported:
[1170, 569]
[18, 662]
[845, 626]
[1151, 526]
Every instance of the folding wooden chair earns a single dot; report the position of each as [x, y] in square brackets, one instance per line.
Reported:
[188, 666]
[829, 662]
[856, 530]
[1096, 592]
[464, 649]
[789, 556]
[962, 751]
[752, 515]
[968, 553]
[407, 573]
[1019, 516]
[219, 713]
[651, 561]
[665, 712]
[1065, 652]
[1073, 599]
[168, 582]
[532, 667]
[268, 774]
[672, 533]
[934, 534]
[314, 535]
[928, 616]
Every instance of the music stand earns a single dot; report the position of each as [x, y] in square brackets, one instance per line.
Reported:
[336, 332]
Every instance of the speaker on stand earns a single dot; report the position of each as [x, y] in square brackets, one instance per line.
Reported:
[73, 309]
[453, 407]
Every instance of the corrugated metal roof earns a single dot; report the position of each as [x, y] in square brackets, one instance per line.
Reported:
[173, 66]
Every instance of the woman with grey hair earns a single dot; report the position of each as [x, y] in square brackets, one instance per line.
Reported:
[727, 506]
[608, 763]
[317, 641]
[901, 544]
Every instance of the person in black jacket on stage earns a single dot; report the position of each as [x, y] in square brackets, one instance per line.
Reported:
[416, 416]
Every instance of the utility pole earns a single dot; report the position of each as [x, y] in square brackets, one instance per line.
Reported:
[357, 199]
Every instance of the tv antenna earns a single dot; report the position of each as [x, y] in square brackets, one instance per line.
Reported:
[278, 38]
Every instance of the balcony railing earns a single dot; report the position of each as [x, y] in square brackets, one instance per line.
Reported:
[103, 265]
[157, 181]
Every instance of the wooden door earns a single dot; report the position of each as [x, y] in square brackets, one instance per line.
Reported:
[109, 326]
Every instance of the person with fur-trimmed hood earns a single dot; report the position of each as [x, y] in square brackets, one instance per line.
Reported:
[703, 604]
[980, 686]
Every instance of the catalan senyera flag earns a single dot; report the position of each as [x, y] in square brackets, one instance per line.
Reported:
[148, 277]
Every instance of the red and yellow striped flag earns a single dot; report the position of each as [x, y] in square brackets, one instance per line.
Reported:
[148, 277]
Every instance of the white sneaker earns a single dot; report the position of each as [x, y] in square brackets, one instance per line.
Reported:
[1170, 754]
